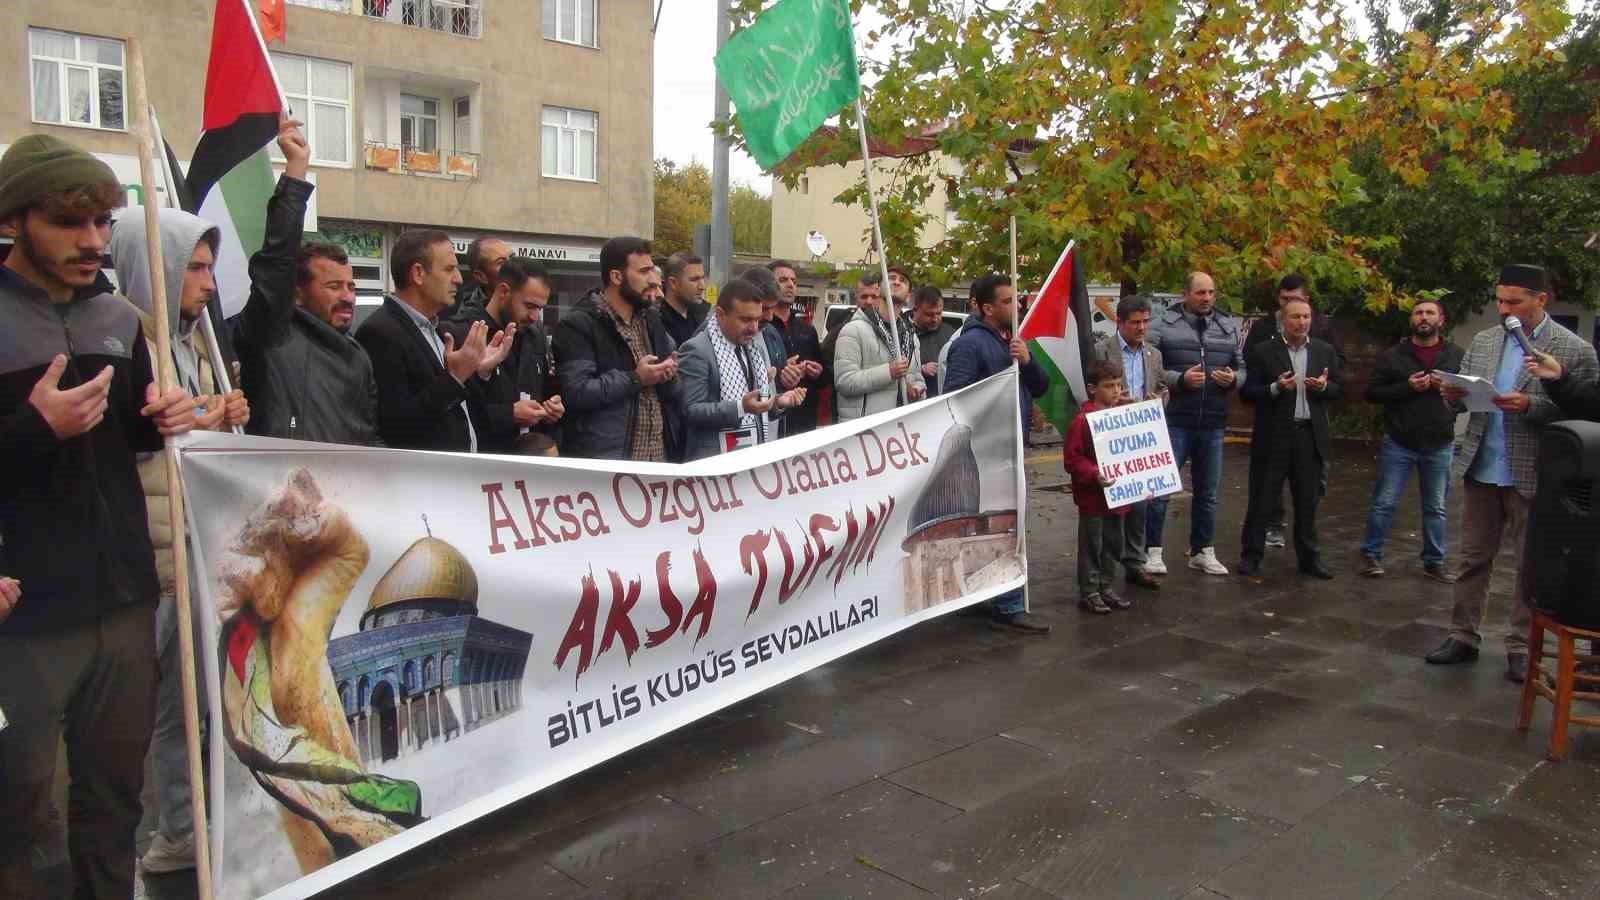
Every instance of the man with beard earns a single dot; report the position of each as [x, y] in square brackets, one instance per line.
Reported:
[429, 388]
[683, 305]
[1498, 457]
[520, 409]
[309, 380]
[1291, 287]
[189, 251]
[485, 256]
[618, 367]
[800, 346]
[652, 287]
[78, 403]
[1418, 433]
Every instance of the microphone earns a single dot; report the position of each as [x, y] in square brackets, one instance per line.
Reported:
[1514, 325]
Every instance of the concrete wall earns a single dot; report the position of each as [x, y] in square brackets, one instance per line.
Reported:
[515, 70]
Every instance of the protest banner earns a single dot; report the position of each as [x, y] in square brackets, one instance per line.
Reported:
[1135, 451]
[407, 641]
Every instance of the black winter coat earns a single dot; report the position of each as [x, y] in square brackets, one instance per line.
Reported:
[599, 388]
[525, 371]
[1416, 421]
[305, 380]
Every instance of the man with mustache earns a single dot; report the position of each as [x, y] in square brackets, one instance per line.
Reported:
[618, 367]
[78, 403]
[308, 379]
[1419, 431]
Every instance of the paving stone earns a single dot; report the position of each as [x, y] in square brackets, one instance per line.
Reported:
[855, 881]
[1358, 845]
[743, 796]
[1510, 856]
[978, 773]
[795, 848]
[1163, 852]
[1214, 738]
[617, 842]
[1448, 782]
[1000, 840]
[1286, 788]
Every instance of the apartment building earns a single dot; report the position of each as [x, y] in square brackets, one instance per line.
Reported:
[528, 120]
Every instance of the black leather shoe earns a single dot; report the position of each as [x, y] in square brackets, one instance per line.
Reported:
[1141, 578]
[1452, 652]
[1516, 667]
[1316, 569]
[1249, 568]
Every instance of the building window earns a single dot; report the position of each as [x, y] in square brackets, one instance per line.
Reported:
[77, 80]
[463, 124]
[318, 91]
[419, 123]
[571, 21]
[568, 145]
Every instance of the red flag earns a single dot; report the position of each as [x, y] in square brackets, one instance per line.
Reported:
[271, 15]
[1059, 327]
[242, 102]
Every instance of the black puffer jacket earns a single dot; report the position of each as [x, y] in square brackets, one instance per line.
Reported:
[305, 380]
[1178, 335]
[599, 388]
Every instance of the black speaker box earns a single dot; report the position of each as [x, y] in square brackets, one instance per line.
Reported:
[1564, 530]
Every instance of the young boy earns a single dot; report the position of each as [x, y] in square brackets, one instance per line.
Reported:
[1099, 527]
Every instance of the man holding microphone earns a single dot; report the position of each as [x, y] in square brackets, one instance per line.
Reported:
[1496, 458]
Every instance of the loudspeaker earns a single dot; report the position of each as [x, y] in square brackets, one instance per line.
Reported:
[1563, 539]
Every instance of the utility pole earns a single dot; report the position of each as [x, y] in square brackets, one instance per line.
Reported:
[720, 264]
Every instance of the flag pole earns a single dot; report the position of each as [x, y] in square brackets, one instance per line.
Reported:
[165, 377]
[877, 230]
[208, 331]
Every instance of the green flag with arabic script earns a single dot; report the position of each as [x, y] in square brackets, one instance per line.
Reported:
[788, 72]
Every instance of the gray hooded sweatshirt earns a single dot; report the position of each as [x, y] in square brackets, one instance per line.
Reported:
[181, 232]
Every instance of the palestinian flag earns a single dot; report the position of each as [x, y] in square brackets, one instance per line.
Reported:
[1059, 334]
[242, 102]
[230, 175]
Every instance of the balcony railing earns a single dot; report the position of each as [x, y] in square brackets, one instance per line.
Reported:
[401, 159]
[459, 17]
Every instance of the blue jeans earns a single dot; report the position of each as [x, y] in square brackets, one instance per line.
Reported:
[1007, 604]
[1202, 448]
[1433, 479]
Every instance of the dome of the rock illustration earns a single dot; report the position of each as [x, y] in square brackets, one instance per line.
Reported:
[951, 492]
[429, 580]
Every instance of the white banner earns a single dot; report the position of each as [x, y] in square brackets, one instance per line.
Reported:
[1134, 450]
[407, 641]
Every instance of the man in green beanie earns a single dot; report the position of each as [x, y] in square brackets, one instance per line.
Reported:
[77, 404]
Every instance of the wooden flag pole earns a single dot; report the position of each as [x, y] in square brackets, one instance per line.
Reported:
[877, 230]
[165, 379]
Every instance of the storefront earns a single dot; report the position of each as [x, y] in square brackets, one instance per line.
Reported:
[573, 263]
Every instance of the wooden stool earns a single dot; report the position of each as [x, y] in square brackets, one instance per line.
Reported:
[1561, 688]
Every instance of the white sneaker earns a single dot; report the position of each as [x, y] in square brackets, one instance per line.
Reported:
[1206, 561]
[1153, 563]
[166, 856]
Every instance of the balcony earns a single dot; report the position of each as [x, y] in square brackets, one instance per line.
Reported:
[404, 160]
[458, 17]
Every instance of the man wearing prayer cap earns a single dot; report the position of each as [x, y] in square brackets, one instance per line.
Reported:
[1495, 459]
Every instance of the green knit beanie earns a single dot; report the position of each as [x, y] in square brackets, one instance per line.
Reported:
[39, 164]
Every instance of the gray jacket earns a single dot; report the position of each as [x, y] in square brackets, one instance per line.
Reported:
[1522, 431]
[705, 413]
[1177, 335]
[861, 382]
[1155, 383]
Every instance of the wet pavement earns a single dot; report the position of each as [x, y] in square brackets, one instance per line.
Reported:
[1223, 739]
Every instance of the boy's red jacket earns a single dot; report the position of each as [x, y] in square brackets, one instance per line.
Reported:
[1077, 454]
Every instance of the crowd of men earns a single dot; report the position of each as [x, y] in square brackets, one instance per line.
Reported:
[642, 368]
